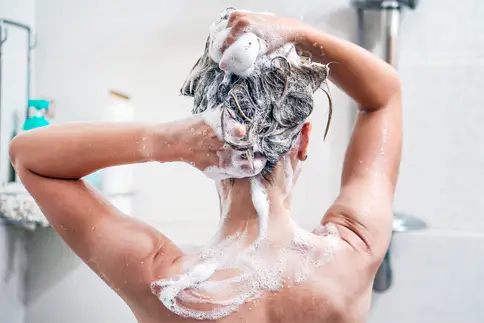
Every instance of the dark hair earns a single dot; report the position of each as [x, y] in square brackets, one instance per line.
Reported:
[274, 101]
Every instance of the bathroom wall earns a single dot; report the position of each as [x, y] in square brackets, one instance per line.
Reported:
[13, 261]
[438, 272]
[146, 48]
[14, 72]
[13, 257]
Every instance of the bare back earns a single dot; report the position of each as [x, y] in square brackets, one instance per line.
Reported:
[339, 290]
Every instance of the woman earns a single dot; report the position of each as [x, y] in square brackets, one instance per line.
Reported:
[260, 267]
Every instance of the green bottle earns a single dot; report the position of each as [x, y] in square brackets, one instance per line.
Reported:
[37, 114]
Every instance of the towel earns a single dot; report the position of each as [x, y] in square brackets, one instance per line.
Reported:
[18, 208]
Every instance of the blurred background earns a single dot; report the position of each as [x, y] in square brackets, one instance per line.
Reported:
[72, 60]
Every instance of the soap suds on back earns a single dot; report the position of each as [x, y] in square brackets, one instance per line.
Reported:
[261, 205]
[251, 267]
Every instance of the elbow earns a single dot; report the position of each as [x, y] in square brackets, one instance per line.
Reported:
[394, 99]
[386, 93]
[395, 84]
[15, 149]
[392, 85]
[381, 92]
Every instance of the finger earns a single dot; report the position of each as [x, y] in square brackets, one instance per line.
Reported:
[233, 129]
[235, 16]
[274, 43]
[239, 131]
[231, 38]
[271, 50]
[238, 22]
[236, 135]
[250, 158]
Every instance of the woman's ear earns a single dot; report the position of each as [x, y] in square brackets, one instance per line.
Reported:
[302, 153]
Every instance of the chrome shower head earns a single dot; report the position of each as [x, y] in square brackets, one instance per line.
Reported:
[384, 4]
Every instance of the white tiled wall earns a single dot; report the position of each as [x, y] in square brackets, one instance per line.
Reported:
[12, 268]
[146, 48]
[12, 246]
[438, 278]
[59, 288]
[443, 140]
[439, 273]
[13, 74]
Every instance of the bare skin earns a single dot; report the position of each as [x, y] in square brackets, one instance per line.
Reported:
[129, 255]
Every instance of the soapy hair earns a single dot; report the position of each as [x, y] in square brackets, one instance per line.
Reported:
[274, 101]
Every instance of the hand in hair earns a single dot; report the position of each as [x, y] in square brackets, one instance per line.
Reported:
[203, 142]
[274, 30]
[274, 101]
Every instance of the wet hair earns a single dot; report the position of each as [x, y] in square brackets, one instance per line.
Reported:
[274, 101]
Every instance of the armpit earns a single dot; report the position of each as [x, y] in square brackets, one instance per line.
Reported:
[351, 231]
[165, 259]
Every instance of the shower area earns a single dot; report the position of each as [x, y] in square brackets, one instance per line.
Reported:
[389, 14]
[434, 266]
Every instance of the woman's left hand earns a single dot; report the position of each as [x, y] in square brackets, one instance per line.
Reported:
[274, 30]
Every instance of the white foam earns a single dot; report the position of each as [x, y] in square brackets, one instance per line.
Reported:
[213, 117]
[288, 175]
[288, 50]
[240, 57]
[231, 163]
[260, 268]
[257, 265]
[261, 205]
[217, 41]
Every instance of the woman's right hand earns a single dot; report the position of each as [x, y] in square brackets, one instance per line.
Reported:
[200, 142]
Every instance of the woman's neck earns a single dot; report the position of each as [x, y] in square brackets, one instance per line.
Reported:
[260, 208]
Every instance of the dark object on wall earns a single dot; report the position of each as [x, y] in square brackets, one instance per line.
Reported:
[401, 223]
[390, 11]
[384, 4]
[4, 25]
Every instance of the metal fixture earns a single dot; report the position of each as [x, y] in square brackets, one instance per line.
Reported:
[405, 223]
[401, 223]
[31, 43]
[390, 11]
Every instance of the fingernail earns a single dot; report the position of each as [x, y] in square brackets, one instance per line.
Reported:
[250, 159]
[241, 131]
